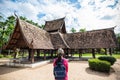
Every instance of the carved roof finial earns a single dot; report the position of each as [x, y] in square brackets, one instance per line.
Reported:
[15, 14]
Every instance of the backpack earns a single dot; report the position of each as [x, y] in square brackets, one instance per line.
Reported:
[59, 70]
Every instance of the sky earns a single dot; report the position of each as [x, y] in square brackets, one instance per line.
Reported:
[79, 14]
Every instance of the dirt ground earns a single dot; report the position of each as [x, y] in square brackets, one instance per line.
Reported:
[78, 70]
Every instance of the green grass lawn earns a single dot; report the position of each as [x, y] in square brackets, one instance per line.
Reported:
[97, 55]
[117, 56]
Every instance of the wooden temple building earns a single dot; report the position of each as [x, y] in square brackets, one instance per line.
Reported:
[54, 36]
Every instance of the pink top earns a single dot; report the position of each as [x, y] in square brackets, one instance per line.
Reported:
[66, 66]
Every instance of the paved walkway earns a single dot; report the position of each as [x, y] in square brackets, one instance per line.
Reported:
[78, 70]
[117, 69]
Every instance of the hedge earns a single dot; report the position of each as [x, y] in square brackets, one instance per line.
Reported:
[1, 56]
[99, 65]
[110, 59]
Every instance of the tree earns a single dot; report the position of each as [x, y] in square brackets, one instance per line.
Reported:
[2, 31]
[73, 30]
[6, 28]
[30, 21]
[42, 26]
[23, 18]
[2, 28]
[82, 30]
[10, 22]
[118, 40]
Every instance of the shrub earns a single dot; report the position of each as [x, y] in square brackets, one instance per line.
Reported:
[8, 56]
[108, 58]
[102, 50]
[1, 56]
[99, 65]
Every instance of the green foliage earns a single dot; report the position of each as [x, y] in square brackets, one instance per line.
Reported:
[118, 40]
[82, 30]
[102, 50]
[118, 35]
[1, 56]
[42, 26]
[9, 56]
[110, 59]
[23, 18]
[7, 27]
[30, 21]
[99, 65]
[5, 56]
[73, 30]
[117, 56]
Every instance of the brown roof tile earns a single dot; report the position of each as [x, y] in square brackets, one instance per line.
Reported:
[104, 38]
[33, 37]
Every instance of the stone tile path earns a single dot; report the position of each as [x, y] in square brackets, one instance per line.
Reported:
[78, 70]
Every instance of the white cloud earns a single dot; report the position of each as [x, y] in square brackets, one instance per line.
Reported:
[88, 16]
[28, 10]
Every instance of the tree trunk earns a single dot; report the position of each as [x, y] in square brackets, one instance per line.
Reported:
[110, 51]
[80, 53]
[93, 53]
[71, 51]
[29, 53]
[23, 52]
[67, 52]
[105, 51]
[51, 52]
[14, 54]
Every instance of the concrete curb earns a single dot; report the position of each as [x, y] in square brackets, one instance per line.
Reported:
[33, 65]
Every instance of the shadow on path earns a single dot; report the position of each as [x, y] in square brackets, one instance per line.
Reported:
[8, 69]
[89, 71]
